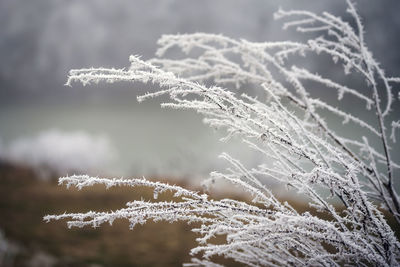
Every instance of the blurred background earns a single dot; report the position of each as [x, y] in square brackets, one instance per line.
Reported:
[48, 129]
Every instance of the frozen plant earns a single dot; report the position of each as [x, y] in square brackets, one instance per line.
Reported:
[347, 181]
[58, 151]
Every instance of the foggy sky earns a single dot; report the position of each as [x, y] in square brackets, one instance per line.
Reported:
[41, 40]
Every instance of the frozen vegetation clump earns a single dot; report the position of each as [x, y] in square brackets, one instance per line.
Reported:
[56, 151]
[348, 182]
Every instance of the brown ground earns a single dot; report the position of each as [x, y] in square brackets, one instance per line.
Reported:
[24, 200]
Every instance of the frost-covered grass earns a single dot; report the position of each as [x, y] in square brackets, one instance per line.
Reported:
[282, 120]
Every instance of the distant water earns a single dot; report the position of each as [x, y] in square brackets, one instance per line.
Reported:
[148, 140]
